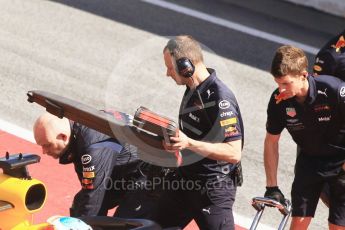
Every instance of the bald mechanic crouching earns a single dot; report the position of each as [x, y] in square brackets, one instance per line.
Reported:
[108, 172]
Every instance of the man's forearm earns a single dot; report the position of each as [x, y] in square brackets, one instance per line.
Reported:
[229, 152]
[271, 158]
[85, 205]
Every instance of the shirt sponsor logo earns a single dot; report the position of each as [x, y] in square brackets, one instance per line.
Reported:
[88, 186]
[324, 118]
[209, 93]
[89, 174]
[226, 114]
[317, 68]
[322, 92]
[289, 125]
[323, 107]
[292, 120]
[340, 44]
[291, 112]
[207, 210]
[86, 181]
[231, 131]
[89, 169]
[342, 91]
[231, 134]
[224, 104]
[195, 118]
[295, 127]
[229, 121]
[318, 60]
[85, 159]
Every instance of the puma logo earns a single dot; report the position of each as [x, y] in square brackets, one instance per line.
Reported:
[323, 92]
[209, 93]
[207, 210]
[138, 208]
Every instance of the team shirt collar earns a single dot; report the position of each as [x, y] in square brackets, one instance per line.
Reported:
[312, 91]
[207, 82]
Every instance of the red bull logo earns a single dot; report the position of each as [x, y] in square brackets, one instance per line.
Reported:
[340, 44]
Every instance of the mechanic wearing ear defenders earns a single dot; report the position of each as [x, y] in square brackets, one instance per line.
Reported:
[313, 112]
[210, 139]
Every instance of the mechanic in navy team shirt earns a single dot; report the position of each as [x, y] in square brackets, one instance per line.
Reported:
[109, 172]
[330, 60]
[313, 112]
[210, 140]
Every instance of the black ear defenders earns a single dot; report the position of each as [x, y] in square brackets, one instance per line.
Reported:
[185, 67]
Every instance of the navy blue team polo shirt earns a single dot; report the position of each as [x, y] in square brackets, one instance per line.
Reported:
[209, 113]
[317, 125]
[330, 59]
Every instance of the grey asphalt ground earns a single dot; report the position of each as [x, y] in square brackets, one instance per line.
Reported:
[108, 53]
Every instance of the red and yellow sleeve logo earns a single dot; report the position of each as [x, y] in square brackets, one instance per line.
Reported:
[340, 44]
[88, 174]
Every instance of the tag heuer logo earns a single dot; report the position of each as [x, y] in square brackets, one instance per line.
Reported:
[291, 112]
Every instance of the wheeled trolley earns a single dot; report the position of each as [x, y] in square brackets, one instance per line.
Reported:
[259, 203]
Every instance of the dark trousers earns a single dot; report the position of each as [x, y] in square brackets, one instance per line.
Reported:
[311, 175]
[209, 204]
[127, 191]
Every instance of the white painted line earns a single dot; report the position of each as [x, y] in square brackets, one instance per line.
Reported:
[17, 131]
[232, 25]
